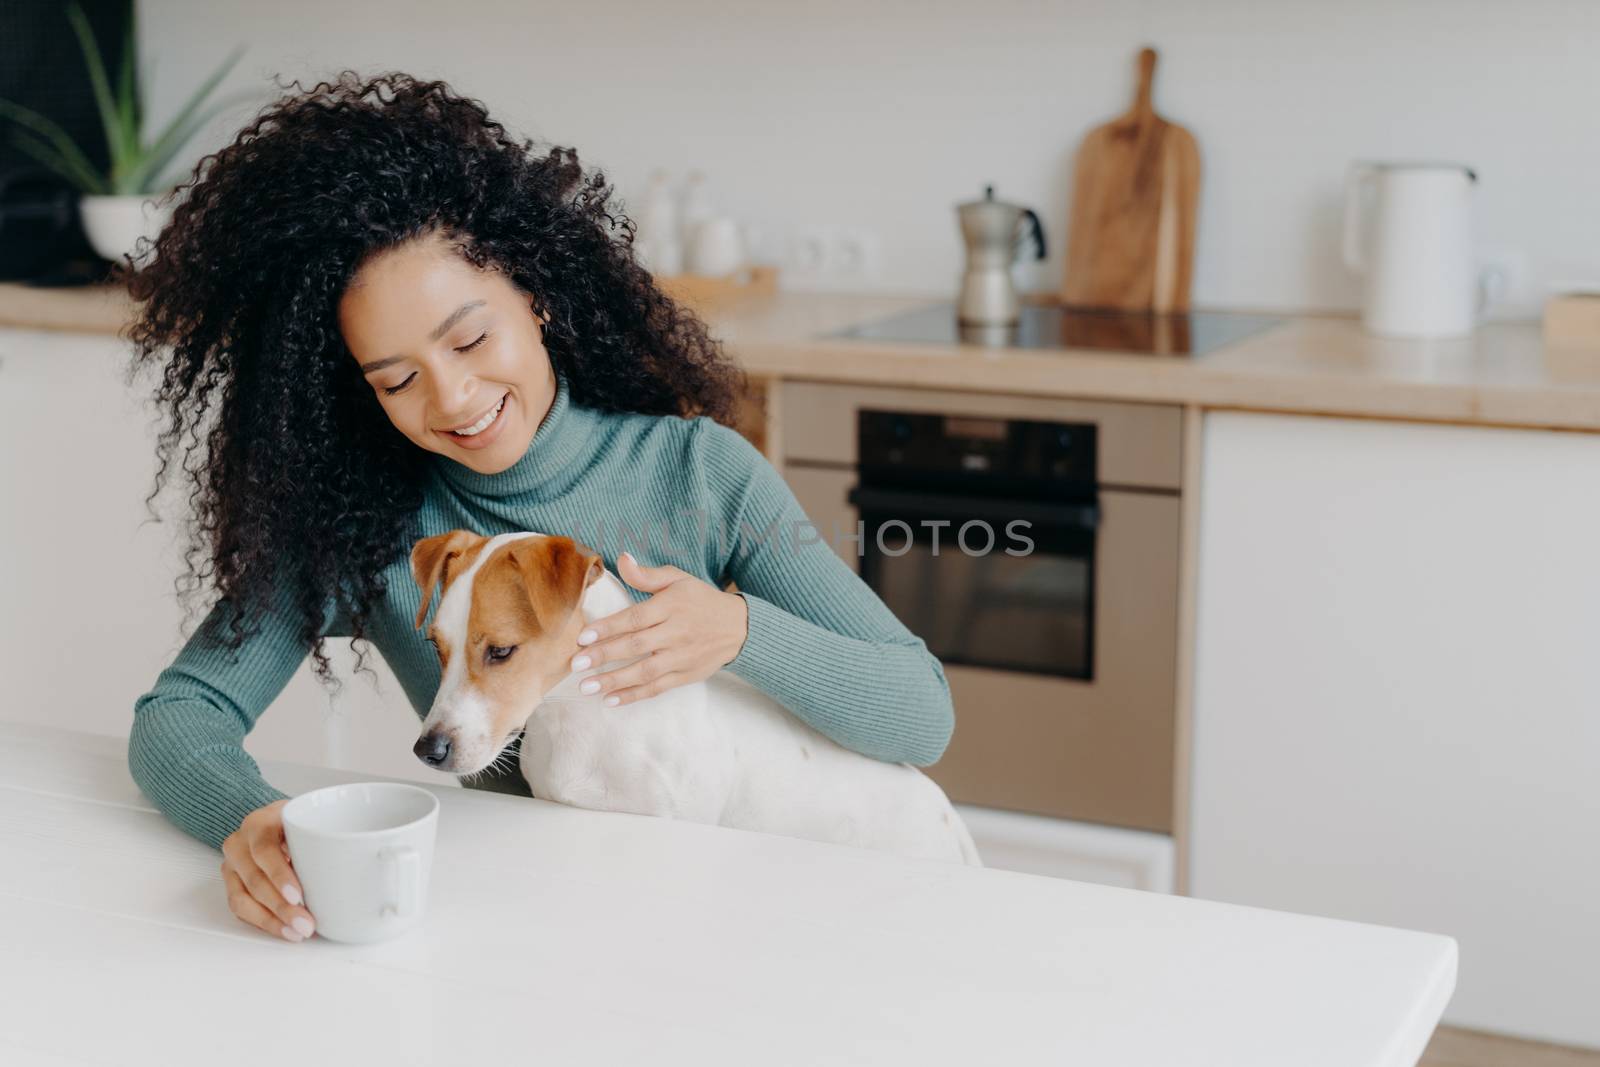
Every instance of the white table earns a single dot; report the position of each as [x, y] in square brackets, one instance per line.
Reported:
[560, 936]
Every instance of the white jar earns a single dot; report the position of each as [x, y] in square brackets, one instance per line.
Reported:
[718, 248]
[656, 244]
[694, 210]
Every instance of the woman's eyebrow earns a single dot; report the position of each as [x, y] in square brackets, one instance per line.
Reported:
[438, 332]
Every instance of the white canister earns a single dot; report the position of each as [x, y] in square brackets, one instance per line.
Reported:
[1408, 232]
[717, 249]
[693, 212]
[658, 244]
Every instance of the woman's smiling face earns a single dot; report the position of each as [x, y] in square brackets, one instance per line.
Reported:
[446, 346]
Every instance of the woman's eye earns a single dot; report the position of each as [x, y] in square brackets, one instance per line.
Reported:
[392, 390]
[395, 389]
[498, 653]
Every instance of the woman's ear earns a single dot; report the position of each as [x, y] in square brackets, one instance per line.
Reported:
[430, 559]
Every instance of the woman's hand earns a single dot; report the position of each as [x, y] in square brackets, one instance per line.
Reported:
[686, 632]
[262, 887]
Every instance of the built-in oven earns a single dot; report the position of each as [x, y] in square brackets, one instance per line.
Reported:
[1033, 544]
[980, 533]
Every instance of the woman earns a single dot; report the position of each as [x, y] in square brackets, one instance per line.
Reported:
[407, 322]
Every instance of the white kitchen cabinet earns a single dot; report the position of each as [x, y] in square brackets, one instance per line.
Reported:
[1397, 695]
[91, 614]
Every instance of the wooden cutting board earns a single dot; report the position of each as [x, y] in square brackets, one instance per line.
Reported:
[1135, 184]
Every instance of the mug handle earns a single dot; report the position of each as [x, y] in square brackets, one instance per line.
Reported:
[404, 865]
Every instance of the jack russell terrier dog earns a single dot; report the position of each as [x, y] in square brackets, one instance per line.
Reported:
[719, 751]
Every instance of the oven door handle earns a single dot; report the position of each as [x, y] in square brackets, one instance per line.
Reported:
[899, 503]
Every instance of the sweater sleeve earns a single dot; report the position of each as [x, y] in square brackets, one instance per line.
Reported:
[820, 640]
[185, 748]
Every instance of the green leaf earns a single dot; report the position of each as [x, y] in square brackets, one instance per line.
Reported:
[127, 94]
[173, 140]
[173, 137]
[97, 78]
[137, 84]
[62, 143]
[83, 180]
[147, 78]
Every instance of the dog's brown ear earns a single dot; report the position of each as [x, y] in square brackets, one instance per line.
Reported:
[556, 571]
[430, 558]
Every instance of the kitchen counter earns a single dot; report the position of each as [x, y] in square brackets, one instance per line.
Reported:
[1503, 375]
[85, 309]
[612, 938]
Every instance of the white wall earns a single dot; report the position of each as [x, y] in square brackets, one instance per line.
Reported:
[884, 115]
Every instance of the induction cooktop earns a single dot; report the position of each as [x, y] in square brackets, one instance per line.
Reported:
[1052, 326]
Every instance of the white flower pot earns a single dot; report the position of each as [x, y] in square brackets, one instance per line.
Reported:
[115, 223]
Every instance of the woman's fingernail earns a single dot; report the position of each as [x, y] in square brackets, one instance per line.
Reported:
[291, 934]
[303, 925]
[589, 686]
[611, 702]
[581, 663]
[292, 895]
[587, 637]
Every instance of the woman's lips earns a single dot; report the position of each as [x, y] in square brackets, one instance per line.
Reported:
[486, 437]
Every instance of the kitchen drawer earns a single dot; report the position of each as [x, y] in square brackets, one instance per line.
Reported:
[1140, 445]
[1065, 848]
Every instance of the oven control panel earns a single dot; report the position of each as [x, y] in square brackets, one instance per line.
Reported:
[982, 456]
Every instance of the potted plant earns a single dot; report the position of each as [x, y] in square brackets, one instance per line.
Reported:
[117, 208]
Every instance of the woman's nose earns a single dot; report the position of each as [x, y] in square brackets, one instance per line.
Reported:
[453, 393]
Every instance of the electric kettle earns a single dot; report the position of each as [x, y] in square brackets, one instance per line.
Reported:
[1408, 232]
[994, 232]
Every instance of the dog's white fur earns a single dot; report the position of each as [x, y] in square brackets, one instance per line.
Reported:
[720, 751]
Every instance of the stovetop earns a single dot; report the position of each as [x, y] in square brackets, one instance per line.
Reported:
[1051, 326]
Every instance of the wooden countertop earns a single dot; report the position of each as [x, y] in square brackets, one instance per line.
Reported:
[84, 309]
[1503, 375]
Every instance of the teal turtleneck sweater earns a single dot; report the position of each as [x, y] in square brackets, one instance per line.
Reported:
[689, 492]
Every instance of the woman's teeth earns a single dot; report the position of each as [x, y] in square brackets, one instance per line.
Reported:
[483, 423]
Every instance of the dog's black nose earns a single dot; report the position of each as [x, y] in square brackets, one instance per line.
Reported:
[432, 749]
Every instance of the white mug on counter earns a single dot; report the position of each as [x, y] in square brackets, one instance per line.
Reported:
[1408, 232]
[363, 852]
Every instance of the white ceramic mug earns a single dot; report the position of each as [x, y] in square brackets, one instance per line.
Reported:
[362, 852]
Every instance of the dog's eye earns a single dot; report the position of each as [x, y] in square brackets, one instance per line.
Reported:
[498, 653]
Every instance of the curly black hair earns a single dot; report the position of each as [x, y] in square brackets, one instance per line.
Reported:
[303, 481]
